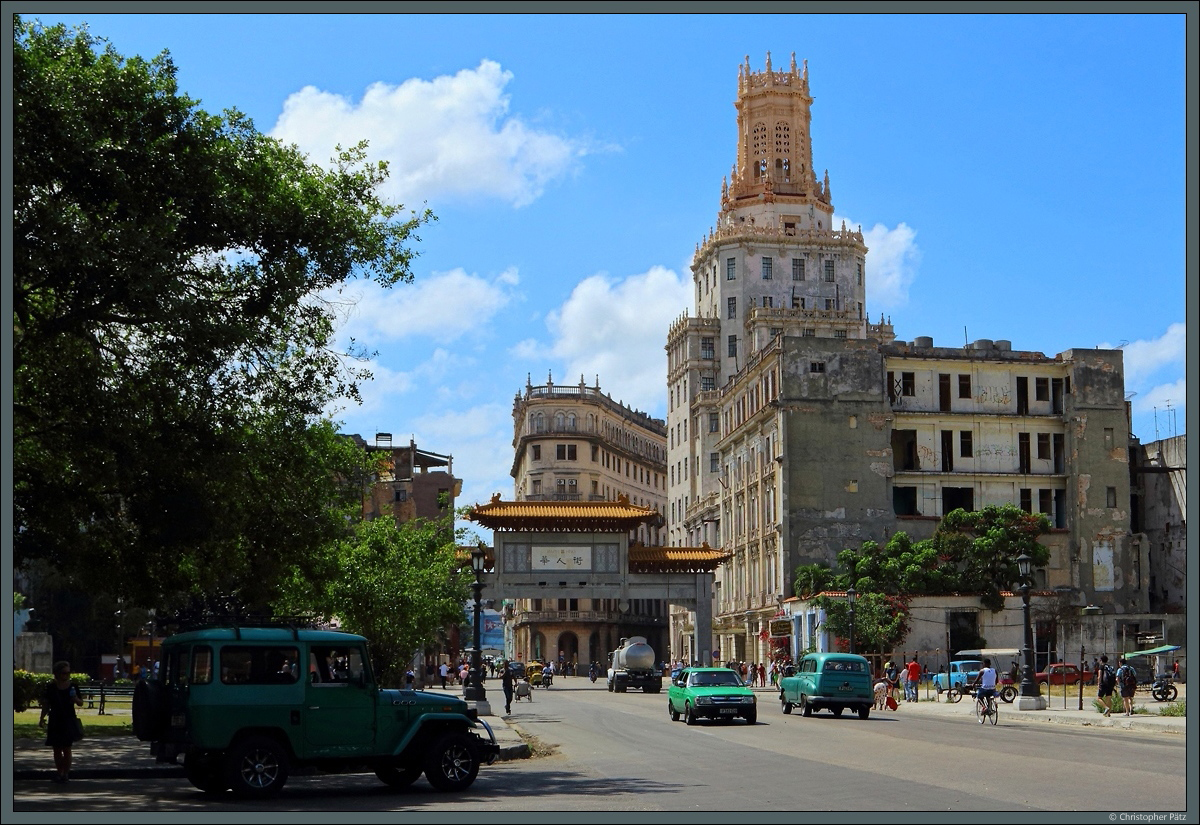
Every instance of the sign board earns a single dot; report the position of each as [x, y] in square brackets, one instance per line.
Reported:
[572, 557]
[781, 627]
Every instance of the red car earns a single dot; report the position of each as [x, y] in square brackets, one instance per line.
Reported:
[1063, 673]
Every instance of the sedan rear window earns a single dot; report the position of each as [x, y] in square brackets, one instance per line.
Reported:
[854, 667]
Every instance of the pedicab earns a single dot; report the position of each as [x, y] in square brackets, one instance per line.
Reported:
[533, 673]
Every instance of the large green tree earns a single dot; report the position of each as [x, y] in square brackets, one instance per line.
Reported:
[401, 587]
[971, 552]
[173, 343]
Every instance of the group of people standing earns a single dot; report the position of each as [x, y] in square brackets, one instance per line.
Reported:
[893, 677]
[755, 675]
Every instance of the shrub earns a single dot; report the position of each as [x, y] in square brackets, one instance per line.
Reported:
[1115, 705]
[1174, 709]
[29, 687]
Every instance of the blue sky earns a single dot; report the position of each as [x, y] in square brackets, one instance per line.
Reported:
[1017, 177]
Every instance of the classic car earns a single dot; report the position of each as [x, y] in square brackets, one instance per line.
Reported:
[1060, 673]
[833, 681]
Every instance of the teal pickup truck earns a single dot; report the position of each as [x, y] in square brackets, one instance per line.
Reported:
[965, 666]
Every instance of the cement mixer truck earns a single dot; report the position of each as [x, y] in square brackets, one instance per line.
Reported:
[632, 665]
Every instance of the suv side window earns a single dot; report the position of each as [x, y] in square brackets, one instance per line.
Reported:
[202, 659]
[336, 665]
[175, 668]
[258, 665]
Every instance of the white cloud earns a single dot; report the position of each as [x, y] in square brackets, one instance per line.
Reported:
[383, 397]
[480, 441]
[529, 349]
[1162, 398]
[892, 260]
[441, 307]
[1145, 358]
[617, 330]
[451, 136]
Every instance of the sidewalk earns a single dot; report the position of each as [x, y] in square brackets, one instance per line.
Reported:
[929, 704]
[122, 757]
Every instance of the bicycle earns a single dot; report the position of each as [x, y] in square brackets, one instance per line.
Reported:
[986, 709]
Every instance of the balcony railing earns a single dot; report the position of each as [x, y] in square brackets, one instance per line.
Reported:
[607, 616]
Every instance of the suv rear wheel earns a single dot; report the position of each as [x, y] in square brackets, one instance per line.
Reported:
[257, 767]
[205, 772]
[397, 776]
[452, 763]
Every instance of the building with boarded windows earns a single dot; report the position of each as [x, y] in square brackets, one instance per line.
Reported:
[410, 484]
[798, 428]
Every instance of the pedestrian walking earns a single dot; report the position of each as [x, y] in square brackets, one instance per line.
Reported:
[506, 682]
[1126, 685]
[444, 673]
[64, 729]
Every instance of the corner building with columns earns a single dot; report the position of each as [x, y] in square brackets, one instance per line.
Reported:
[797, 428]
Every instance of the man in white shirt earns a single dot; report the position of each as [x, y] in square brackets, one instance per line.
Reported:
[444, 672]
[985, 681]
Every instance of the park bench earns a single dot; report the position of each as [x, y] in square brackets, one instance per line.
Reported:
[106, 696]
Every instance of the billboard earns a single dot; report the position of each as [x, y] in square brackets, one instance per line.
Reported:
[491, 628]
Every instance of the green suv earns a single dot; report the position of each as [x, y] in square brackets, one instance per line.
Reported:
[244, 705]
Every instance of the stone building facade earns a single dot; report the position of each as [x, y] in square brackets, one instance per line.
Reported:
[798, 428]
[1160, 483]
[574, 443]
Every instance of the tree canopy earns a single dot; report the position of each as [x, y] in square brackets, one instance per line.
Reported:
[971, 552]
[398, 586]
[173, 343]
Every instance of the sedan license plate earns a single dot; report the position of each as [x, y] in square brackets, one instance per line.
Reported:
[846, 687]
[730, 711]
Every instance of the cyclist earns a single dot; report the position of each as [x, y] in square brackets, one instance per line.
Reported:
[985, 687]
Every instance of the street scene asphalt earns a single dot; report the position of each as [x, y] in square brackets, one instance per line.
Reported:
[102, 757]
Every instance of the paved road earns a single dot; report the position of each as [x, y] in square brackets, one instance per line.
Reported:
[614, 752]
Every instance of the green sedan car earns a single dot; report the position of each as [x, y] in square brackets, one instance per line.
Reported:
[710, 693]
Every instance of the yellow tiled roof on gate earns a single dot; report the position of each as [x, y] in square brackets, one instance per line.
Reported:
[643, 559]
[616, 515]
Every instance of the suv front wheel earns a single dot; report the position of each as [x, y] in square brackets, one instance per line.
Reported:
[257, 767]
[452, 763]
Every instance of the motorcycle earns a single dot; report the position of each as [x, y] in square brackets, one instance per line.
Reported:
[592, 673]
[1163, 690]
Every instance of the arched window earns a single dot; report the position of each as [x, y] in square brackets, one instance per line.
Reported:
[539, 423]
[571, 422]
[559, 420]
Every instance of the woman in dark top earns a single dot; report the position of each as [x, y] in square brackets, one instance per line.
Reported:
[59, 702]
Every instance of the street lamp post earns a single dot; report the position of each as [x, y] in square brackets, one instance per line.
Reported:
[1031, 698]
[475, 689]
[851, 595]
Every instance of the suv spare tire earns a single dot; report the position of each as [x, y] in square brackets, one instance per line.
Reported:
[149, 710]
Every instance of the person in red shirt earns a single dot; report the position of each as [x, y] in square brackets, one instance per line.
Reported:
[913, 673]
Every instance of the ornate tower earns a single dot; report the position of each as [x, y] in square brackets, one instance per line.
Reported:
[774, 154]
